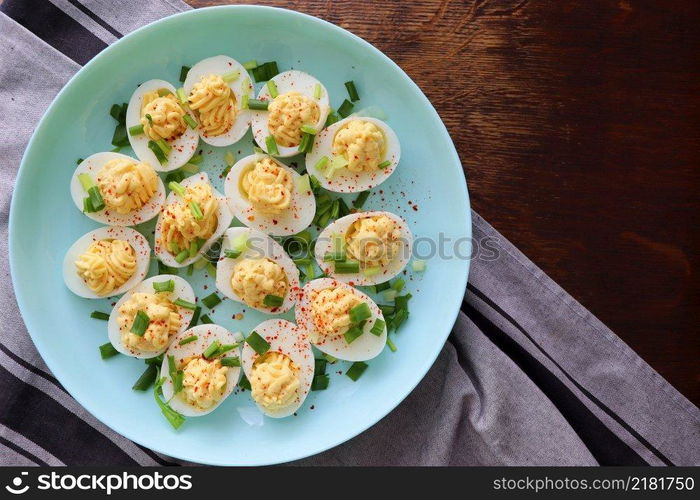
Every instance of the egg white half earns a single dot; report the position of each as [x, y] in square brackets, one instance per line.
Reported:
[221, 65]
[91, 166]
[138, 243]
[343, 180]
[183, 291]
[289, 81]
[224, 218]
[296, 218]
[182, 148]
[365, 347]
[284, 337]
[324, 245]
[206, 334]
[259, 245]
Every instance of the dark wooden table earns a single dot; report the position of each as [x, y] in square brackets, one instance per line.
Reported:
[578, 124]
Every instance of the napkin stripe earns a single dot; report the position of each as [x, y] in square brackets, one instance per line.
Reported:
[96, 18]
[21, 451]
[34, 369]
[63, 32]
[605, 446]
[602, 406]
[92, 447]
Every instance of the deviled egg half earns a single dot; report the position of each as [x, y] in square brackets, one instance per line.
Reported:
[267, 195]
[354, 154]
[145, 320]
[106, 262]
[294, 100]
[364, 248]
[160, 131]
[117, 190]
[340, 320]
[215, 88]
[201, 368]
[255, 270]
[278, 361]
[194, 216]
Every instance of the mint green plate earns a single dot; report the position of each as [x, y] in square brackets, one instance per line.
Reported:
[44, 223]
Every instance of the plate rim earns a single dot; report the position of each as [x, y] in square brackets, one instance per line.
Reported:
[54, 363]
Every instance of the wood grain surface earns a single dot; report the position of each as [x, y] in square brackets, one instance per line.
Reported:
[578, 124]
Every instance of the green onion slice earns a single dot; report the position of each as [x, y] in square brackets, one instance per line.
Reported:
[250, 64]
[353, 333]
[229, 158]
[196, 210]
[418, 265]
[157, 152]
[231, 76]
[399, 284]
[360, 313]
[320, 382]
[322, 163]
[356, 370]
[378, 327]
[185, 304]
[188, 340]
[361, 199]
[272, 87]
[257, 104]
[345, 109]
[107, 351]
[181, 96]
[206, 319]
[390, 344]
[352, 91]
[183, 73]
[273, 301]
[195, 317]
[271, 144]
[191, 122]
[164, 286]
[136, 130]
[99, 315]
[384, 164]
[146, 379]
[259, 344]
[347, 267]
[317, 91]
[180, 258]
[233, 361]
[212, 349]
[177, 187]
[211, 300]
[140, 324]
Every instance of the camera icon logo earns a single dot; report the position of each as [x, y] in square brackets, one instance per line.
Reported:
[17, 488]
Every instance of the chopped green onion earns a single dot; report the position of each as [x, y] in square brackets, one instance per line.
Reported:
[229, 158]
[173, 417]
[164, 286]
[418, 265]
[181, 96]
[320, 366]
[315, 184]
[158, 152]
[244, 383]
[259, 344]
[321, 163]
[85, 181]
[356, 370]
[337, 163]
[225, 171]
[273, 301]
[302, 184]
[320, 382]
[352, 91]
[185, 304]
[212, 349]
[93, 202]
[196, 211]
[163, 269]
[136, 130]
[232, 254]
[360, 313]
[146, 379]
[353, 333]
[211, 269]
[384, 164]
[252, 64]
[189, 120]
[390, 294]
[180, 258]
[306, 144]
[378, 327]
[99, 315]
[361, 199]
[401, 302]
[399, 284]
[379, 287]
[115, 111]
[107, 351]
[345, 109]
[190, 168]
[193, 249]
[211, 300]
[272, 88]
[190, 270]
[201, 263]
[175, 176]
[149, 118]
[271, 144]
[238, 246]
[174, 249]
[317, 91]
[195, 317]
[347, 267]
[188, 340]
[225, 348]
[234, 361]
[183, 73]
[257, 104]
[371, 271]
[140, 324]
[332, 118]
[400, 316]
[206, 319]
[330, 358]
[116, 150]
[120, 138]
[343, 209]
[157, 360]
[178, 379]
[177, 187]
[265, 71]
[390, 344]
[79, 161]
[309, 129]
[231, 76]
[335, 256]
[164, 146]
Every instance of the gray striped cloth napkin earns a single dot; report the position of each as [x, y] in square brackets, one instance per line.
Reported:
[528, 376]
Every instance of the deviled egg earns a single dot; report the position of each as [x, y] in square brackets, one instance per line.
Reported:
[195, 215]
[158, 128]
[278, 361]
[255, 270]
[294, 100]
[148, 316]
[267, 195]
[364, 248]
[128, 191]
[340, 320]
[354, 154]
[106, 262]
[215, 88]
[201, 368]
